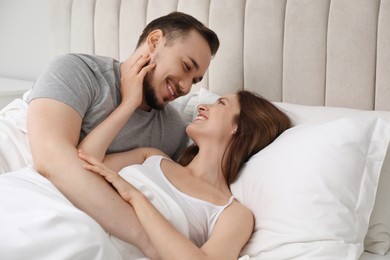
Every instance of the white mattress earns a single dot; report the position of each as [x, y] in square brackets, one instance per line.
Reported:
[369, 256]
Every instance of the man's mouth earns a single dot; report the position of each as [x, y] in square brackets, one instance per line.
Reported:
[170, 89]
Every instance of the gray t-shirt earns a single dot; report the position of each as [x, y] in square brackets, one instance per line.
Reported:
[90, 84]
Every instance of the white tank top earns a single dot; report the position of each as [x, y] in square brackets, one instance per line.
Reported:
[201, 215]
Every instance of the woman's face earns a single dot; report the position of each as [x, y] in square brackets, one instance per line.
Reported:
[215, 122]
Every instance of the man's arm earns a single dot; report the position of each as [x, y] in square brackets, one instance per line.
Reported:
[53, 130]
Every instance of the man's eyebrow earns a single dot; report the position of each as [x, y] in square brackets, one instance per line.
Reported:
[194, 62]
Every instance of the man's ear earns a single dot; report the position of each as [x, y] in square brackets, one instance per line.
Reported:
[154, 39]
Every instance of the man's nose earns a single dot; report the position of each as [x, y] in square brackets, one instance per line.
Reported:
[185, 86]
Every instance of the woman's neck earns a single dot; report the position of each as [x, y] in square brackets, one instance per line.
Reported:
[207, 165]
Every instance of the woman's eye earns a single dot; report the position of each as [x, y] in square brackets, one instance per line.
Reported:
[221, 102]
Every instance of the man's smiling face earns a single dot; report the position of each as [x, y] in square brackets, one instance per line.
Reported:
[179, 64]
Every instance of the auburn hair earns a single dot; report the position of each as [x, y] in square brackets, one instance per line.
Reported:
[259, 123]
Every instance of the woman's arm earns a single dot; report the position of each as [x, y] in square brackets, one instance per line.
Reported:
[98, 140]
[232, 231]
[116, 161]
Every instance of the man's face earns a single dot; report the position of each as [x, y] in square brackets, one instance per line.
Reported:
[178, 65]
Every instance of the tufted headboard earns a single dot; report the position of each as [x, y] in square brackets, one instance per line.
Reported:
[323, 52]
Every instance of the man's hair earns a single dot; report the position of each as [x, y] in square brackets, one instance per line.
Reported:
[177, 24]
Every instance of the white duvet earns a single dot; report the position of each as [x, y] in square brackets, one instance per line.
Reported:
[38, 222]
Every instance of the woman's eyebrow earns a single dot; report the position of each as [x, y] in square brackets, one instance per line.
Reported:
[223, 98]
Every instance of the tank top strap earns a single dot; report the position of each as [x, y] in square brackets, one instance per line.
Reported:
[230, 201]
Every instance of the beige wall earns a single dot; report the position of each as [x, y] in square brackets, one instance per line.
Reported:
[24, 38]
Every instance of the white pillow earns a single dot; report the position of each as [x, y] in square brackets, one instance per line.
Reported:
[313, 189]
[377, 239]
[189, 106]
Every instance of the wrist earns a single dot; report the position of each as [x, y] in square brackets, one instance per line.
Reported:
[138, 200]
[128, 105]
[130, 101]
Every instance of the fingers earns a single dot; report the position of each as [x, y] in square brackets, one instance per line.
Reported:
[125, 189]
[96, 166]
[93, 164]
[111, 176]
[141, 65]
[88, 158]
[146, 69]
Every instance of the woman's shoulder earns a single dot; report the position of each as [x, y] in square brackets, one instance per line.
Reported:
[151, 152]
[236, 220]
[237, 210]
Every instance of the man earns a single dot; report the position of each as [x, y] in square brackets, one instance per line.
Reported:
[76, 92]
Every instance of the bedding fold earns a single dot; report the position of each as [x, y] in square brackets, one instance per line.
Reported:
[14, 149]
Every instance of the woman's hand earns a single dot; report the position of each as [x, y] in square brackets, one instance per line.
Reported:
[132, 80]
[100, 138]
[127, 191]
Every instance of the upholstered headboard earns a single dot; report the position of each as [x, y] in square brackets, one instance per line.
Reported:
[323, 52]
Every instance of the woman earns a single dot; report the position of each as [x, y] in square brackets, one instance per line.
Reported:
[225, 135]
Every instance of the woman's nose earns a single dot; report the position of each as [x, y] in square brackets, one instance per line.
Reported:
[201, 107]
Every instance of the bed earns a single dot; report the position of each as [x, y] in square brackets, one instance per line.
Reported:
[320, 191]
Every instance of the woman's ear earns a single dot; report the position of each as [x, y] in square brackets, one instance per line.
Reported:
[154, 39]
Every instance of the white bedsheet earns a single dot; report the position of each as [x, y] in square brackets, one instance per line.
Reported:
[38, 222]
[14, 149]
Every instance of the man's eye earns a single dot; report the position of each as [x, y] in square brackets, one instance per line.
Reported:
[221, 102]
[187, 67]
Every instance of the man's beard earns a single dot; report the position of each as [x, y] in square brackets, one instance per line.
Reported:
[150, 93]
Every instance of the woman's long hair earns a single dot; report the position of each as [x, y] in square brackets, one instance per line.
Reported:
[259, 124]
